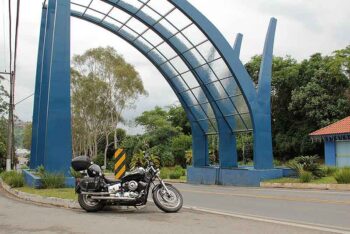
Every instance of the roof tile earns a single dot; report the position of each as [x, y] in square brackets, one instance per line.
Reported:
[340, 127]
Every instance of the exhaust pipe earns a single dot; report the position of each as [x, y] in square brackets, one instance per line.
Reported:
[113, 198]
[94, 194]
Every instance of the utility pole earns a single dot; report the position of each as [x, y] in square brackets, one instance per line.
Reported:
[10, 134]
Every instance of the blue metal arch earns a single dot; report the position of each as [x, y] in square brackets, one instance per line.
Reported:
[258, 101]
[211, 94]
[227, 147]
[200, 148]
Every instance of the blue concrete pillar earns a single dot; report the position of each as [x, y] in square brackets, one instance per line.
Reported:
[228, 157]
[263, 153]
[52, 111]
[58, 147]
[200, 153]
[45, 80]
[33, 153]
[330, 153]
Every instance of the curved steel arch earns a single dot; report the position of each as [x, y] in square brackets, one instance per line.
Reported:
[200, 151]
[206, 75]
[258, 101]
[227, 147]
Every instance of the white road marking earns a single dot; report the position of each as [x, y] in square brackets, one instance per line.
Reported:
[312, 226]
[232, 188]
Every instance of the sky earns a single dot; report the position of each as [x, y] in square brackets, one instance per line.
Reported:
[304, 27]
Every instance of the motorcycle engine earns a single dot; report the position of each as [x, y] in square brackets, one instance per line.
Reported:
[114, 188]
[131, 185]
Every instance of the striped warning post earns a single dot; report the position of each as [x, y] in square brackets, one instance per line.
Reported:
[119, 167]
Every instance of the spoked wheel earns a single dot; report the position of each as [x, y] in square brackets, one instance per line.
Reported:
[169, 202]
[89, 204]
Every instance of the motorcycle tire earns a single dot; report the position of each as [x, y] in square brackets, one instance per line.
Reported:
[89, 205]
[160, 199]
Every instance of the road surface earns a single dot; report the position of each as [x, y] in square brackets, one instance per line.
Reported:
[17, 216]
[312, 207]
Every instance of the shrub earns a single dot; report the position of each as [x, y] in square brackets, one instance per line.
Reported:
[305, 176]
[329, 171]
[180, 170]
[175, 175]
[307, 163]
[13, 179]
[75, 174]
[297, 167]
[342, 176]
[164, 173]
[41, 170]
[52, 180]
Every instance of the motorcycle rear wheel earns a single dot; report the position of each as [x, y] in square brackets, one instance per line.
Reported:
[88, 204]
[168, 202]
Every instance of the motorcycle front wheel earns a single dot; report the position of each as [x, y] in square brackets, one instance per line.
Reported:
[169, 202]
[89, 204]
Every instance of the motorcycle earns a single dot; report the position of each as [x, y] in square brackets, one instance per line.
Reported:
[95, 191]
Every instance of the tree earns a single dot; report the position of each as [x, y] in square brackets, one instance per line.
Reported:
[27, 136]
[178, 118]
[179, 146]
[306, 96]
[118, 87]
[158, 133]
[3, 125]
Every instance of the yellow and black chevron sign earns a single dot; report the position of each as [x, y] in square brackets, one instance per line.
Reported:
[119, 167]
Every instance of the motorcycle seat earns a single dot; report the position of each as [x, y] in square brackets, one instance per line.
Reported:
[112, 181]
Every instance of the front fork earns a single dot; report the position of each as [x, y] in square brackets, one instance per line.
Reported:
[163, 184]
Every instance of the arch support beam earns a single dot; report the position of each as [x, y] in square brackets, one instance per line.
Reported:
[263, 153]
[53, 147]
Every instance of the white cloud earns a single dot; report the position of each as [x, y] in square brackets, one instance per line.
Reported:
[304, 27]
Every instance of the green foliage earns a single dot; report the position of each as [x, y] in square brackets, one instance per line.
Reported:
[99, 160]
[307, 163]
[342, 176]
[13, 178]
[104, 85]
[329, 171]
[177, 117]
[305, 177]
[175, 175]
[139, 160]
[27, 136]
[52, 180]
[188, 156]
[180, 169]
[164, 173]
[75, 174]
[3, 141]
[305, 97]
[179, 146]
[41, 170]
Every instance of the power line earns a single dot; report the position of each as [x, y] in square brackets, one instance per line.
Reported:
[4, 35]
[22, 100]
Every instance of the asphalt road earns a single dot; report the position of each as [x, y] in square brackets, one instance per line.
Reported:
[17, 216]
[311, 207]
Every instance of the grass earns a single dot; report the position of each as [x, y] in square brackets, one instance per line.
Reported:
[65, 193]
[324, 180]
[13, 178]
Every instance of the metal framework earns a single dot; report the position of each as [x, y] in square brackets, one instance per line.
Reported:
[204, 71]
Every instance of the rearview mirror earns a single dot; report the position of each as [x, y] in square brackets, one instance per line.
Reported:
[103, 167]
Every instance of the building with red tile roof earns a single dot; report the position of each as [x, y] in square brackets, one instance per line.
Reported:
[336, 139]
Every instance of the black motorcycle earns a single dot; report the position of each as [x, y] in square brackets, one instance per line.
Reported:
[96, 191]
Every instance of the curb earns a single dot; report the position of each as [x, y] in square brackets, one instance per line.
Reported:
[335, 187]
[175, 181]
[59, 202]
